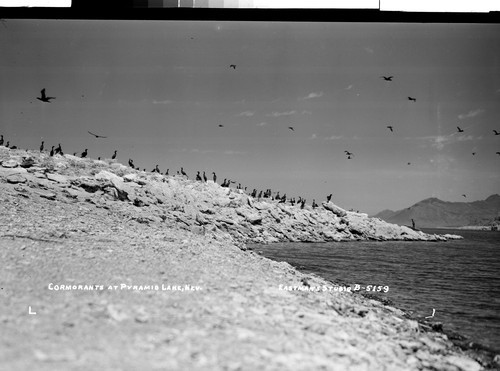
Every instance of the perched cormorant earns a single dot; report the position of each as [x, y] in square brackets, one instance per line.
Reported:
[8, 144]
[84, 153]
[95, 135]
[41, 146]
[390, 128]
[214, 177]
[314, 204]
[59, 149]
[387, 78]
[198, 176]
[496, 132]
[44, 98]
[413, 99]
[74, 153]
[99, 158]
[157, 169]
[13, 147]
[260, 195]
[329, 197]
[204, 177]
[183, 173]
[460, 130]
[114, 155]
[302, 204]
[1, 140]
[131, 163]
[52, 151]
[166, 172]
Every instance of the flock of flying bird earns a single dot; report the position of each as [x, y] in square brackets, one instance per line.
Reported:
[227, 182]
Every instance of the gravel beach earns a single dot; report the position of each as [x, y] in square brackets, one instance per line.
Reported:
[105, 267]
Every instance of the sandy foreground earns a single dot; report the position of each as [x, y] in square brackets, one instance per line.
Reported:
[114, 291]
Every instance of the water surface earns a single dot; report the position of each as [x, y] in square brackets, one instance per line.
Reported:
[460, 278]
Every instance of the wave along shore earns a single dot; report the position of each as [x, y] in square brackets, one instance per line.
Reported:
[75, 222]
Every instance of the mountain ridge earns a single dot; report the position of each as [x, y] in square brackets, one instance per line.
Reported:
[435, 213]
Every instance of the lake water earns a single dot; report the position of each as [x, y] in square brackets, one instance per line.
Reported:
[460, 279]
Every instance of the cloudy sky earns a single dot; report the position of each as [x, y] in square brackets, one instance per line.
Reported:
[160, 89]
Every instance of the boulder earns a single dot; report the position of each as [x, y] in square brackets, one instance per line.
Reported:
[334, 209]
[16, 178]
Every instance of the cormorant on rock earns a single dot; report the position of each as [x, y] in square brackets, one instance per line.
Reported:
[95, 135]
[43, 97]
[260, 195]
[84, 153]
[302, 204]
[460, 130]
[166, 172]
[99, 158]
[412, 99]
[198, 176]
[13, 147]
[114, 155]
[278, 194]
[387, 78]
[74, 153]
[41, 146]
[52, 151]
[496, 132]
[413, 223]
[329, 197]
[204, 177]
[59, 149]
[233, 66]
[183, 173]
[390, 128]
[314, 204]
[292, 201]
[157, 169]
[8, 144]
[1, 140]
[214, 177]
[254, 193]
[131, 163]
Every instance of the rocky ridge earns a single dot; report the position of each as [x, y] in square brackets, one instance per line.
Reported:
[202, 208]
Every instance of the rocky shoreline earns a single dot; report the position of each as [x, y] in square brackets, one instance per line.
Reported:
[75, 222]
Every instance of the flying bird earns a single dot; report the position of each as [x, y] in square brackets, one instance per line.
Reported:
[95, 135]
[291, 128]
[390, 128]
[496, 132]
[498, 153]
[464, 195]
[413, 99]
[221, 126]
[387, 78]
[233, 66]
[43, 97]
[348, 153]
[409, 163]
[460, 130]
[473, 153]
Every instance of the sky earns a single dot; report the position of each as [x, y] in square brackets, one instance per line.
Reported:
[158, 90]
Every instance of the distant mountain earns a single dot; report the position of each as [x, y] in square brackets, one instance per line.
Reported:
[435, 213]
